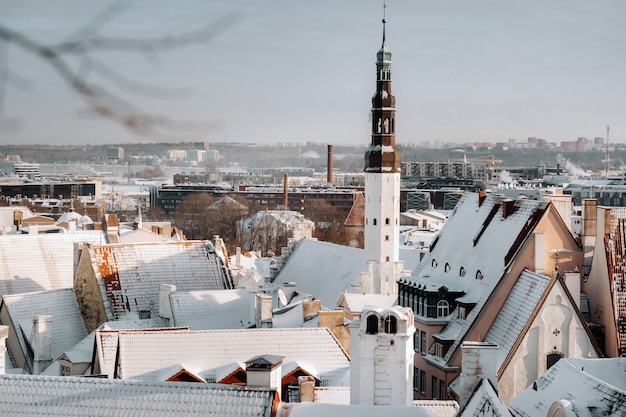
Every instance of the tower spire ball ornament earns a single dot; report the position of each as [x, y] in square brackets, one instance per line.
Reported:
[382, 154]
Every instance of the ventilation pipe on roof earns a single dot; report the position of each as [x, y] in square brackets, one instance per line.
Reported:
[4, 334]
[238, 257]
[479, 361]
[507, 207]
[41, 343]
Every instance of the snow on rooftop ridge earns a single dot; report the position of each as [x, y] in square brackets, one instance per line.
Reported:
[45, 395]
[143, 354]
[568, 386]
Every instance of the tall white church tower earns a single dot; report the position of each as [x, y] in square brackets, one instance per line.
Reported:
[382, 187]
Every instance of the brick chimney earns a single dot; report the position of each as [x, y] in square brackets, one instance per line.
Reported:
[507, 207]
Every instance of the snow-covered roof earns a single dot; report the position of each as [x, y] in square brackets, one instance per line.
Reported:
[205, 310]
[138, 270]
[287, 217]
[67, 323]
[356, 302]
[7, 214]
[319, 409]
[40, 262]
[475, 247]
[485, 399]
[322, 269]
[82, 352]
[143, 354]
[522, 301]
[581, 387]
[27, 395]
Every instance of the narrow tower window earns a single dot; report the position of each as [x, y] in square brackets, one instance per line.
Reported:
[372, 325]
[391, 324]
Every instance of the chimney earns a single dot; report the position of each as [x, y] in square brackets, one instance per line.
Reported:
[4, 333]
[238, 257]
[589, 231]
[165, 307]
[42, 343]
[330, 165]
[286, 192]
[481, 197]
[264, 371]
[507, 207]
[263, 310]
[306, 385]
[479, 361]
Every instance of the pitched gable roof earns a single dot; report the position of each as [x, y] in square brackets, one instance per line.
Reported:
[205, 310]
[322, 269]
[484, 401]
[67, 323]
[129, 275]
[30, 263]
[143, 354]
[480, 240]
[516, 312]
[356, 216]
[95, 397]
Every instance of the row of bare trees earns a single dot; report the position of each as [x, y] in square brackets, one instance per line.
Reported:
[201, 216]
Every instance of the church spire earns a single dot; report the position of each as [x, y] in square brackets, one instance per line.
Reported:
[382, 155]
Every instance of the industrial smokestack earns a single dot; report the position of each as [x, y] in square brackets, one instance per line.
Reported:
[286, 192]
[329, 177]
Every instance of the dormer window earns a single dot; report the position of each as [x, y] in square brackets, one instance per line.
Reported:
[443, 308]
[433, 263]
[462, 272]
[479, 275]
[447, 267]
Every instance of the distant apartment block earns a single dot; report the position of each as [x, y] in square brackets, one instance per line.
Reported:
[115, 153]
[475, 170]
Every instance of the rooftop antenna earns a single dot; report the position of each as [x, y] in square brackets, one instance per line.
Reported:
[606, 153]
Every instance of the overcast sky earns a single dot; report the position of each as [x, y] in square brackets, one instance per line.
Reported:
[296, 71]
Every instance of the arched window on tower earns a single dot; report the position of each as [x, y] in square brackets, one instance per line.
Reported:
[391, 324]
[372, 325]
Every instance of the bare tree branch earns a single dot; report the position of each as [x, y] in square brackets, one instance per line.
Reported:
[99, 99]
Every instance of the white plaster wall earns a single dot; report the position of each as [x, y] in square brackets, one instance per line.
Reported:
[382, 202]
[556, 328]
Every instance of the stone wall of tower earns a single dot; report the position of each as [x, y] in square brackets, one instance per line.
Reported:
[381, 350]
[382, 229]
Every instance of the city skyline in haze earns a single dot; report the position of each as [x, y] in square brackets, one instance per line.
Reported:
[294, 71]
